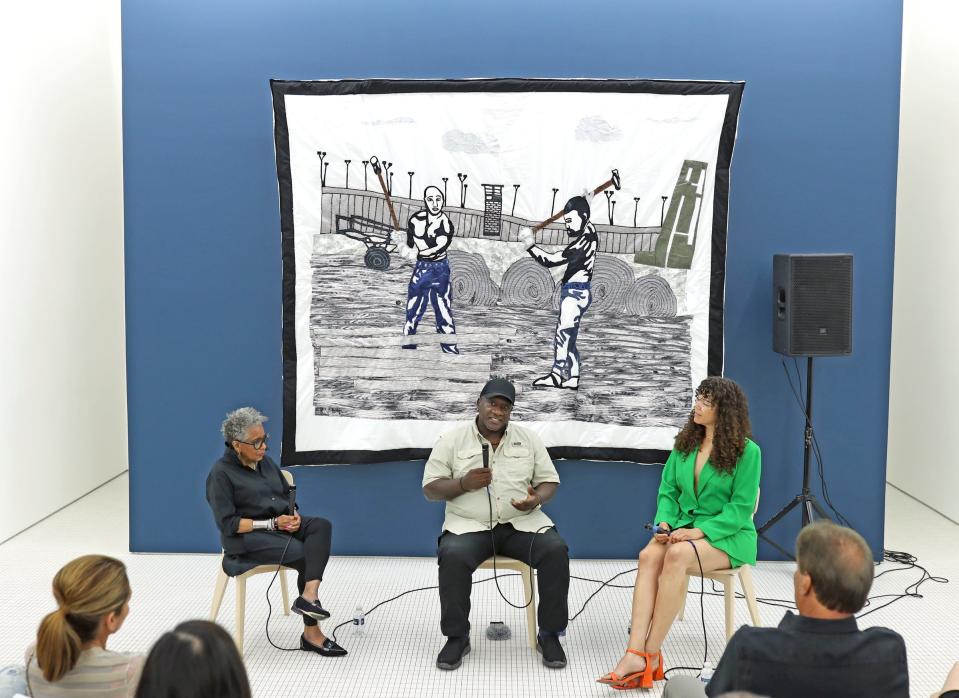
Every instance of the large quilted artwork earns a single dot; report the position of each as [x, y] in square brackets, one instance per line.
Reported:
[569, 235]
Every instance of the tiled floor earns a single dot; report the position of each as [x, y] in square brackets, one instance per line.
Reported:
[395, 657]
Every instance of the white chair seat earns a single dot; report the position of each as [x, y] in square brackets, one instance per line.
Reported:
[223, 579]
[728, 579]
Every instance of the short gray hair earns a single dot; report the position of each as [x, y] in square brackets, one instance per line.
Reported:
[839, 562]
[237, 422]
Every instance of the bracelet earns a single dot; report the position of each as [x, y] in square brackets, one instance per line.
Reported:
[264, 524]
[461, 485]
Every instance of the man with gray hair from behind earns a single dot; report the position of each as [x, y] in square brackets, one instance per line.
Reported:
[821, 652]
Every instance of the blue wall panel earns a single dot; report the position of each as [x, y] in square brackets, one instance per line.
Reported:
[814, 171]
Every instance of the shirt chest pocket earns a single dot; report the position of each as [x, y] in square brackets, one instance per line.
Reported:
[516, 452]
[467, 459]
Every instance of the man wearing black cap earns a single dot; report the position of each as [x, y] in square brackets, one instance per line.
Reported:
[494, 477]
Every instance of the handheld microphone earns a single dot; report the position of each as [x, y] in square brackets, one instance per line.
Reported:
[292, 500]
[485, 455]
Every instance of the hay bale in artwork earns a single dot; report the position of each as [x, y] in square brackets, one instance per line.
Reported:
[526, 284]
[471, 280]
[651, 296]
[612, 277]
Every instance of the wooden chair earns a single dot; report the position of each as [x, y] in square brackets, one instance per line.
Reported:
[727, 577]
[529, 591]
[223, 579]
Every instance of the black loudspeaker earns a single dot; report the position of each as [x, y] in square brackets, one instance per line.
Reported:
[812, 304]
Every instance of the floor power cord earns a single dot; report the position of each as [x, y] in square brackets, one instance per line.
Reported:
[907, 560]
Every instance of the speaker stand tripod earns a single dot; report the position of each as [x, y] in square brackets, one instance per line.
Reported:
[806, 500]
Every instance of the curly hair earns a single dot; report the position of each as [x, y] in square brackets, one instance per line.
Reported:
[732, 424]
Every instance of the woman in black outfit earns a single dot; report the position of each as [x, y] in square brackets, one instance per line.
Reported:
[249, 497]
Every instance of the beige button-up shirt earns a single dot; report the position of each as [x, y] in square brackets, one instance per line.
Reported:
[519, 461]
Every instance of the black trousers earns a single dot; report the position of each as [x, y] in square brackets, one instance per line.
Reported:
[460, 555]
[308, 552]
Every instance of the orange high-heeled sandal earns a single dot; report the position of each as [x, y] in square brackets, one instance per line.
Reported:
[638, 679]
[658, 673]
[614, 678]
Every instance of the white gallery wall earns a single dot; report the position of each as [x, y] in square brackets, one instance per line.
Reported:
[62, 362]
[924, 388]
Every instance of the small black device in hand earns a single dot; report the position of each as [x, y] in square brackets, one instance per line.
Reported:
[485, 455]
[657, 529]
[292, 496]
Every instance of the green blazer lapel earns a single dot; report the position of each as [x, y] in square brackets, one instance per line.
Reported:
[684, 475]
[705, 476]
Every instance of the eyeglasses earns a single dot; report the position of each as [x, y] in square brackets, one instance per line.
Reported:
[258, 444]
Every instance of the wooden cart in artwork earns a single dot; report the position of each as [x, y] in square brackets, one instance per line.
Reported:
[375, 235]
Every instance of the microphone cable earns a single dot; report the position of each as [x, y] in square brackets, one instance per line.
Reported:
[489, 500]
[529, 558]
[908, 561]
[291, 494]
[702, 616]
[269, 606]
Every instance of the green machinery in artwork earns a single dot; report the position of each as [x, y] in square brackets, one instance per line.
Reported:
[677, 237]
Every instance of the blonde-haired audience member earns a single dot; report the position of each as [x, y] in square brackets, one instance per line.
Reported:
[70, 656]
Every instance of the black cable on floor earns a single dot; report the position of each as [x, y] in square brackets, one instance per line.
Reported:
[269, 606]
[908, 560]
[702, 615]
[411, 591]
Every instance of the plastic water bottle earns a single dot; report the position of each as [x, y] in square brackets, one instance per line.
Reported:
[13, 681]
[707, 673]
[359, 621]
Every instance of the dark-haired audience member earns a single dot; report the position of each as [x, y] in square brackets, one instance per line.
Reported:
[70, 657]
[705, 503]
[950, 689]
[821, 652]
[197, 659]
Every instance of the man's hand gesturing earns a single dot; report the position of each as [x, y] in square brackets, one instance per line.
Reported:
[531, 502]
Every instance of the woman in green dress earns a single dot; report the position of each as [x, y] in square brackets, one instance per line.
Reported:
[706, 499]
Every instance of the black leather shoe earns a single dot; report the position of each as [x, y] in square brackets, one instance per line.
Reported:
[451, 656]
[327, 649]
[553, 655]
[313, 609]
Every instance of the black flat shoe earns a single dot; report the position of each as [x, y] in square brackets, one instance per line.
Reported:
[327, 649]
[451, 656]
[553, 655]
[313, 609]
